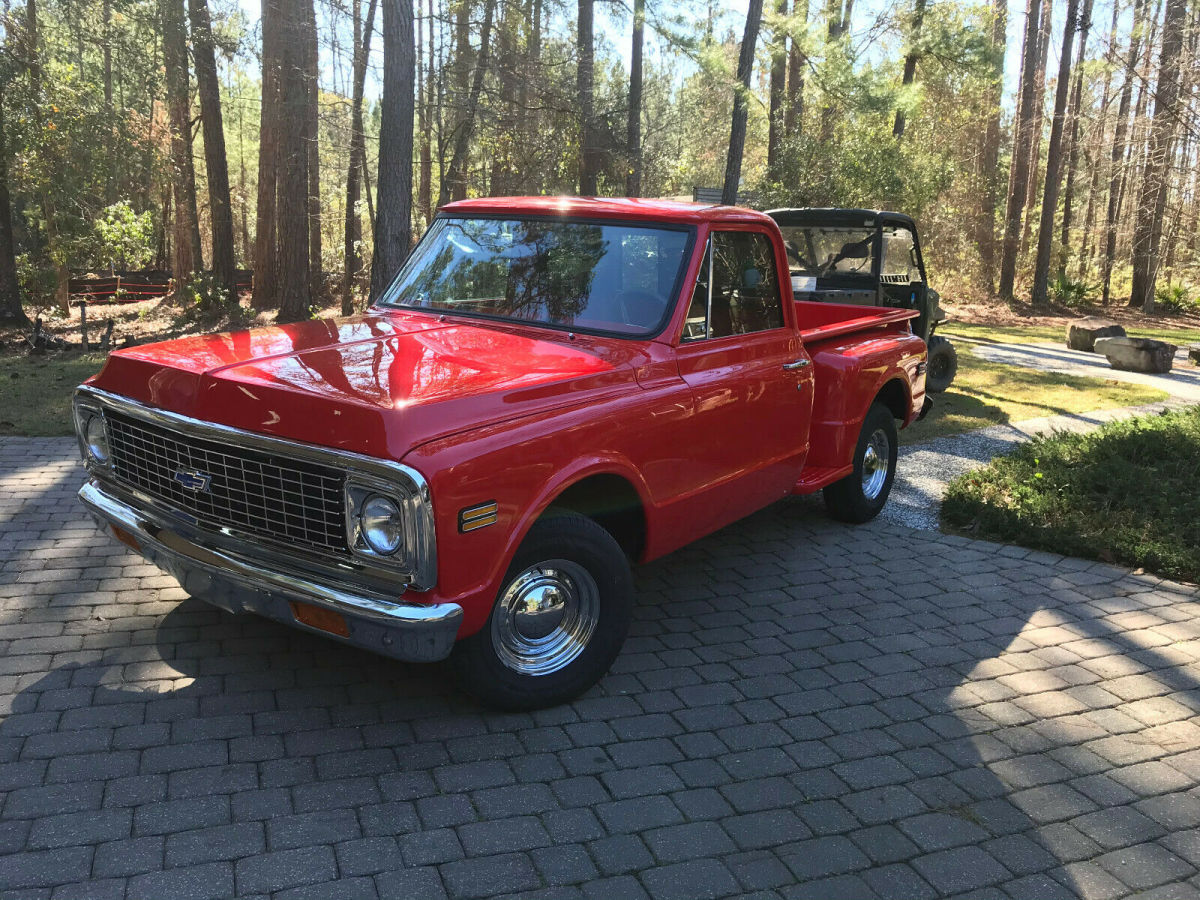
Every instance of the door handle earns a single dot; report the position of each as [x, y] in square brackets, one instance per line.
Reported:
[798, 364]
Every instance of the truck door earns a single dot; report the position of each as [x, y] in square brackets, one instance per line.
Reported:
[750, 378]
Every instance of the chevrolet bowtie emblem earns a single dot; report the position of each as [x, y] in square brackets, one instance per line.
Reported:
[193, 480]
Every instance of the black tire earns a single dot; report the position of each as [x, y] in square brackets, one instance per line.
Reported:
[942, 365]
[858, 498]
[578, 565]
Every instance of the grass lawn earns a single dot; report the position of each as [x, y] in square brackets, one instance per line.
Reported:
[989, 393]
[1057, 334]
[35, 391]
[1125, 493]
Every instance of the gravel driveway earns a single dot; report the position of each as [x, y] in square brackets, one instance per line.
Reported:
[803, 710]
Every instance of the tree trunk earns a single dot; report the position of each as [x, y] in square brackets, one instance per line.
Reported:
[216, 163]
[186, 258]
[358, 153]
[910, 63]
[778, 87]
[11, 312]
[989, 156]
[266, 231]
[737, 131]
[1045, 244]
[393, 222]
[292, 258]
[1018, 178]
[462, 93]
[1085, 24]
[424, 108]
[633, 129]
[793, 117]
[1039, 110]
[33, 49]
[837, 14]
[455, 182]
[1148, 227]
[1117, 154]
[589, 168]
[312, 111]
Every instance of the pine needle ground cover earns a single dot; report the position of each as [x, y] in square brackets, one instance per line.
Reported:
[36, 391]
[1125, 493]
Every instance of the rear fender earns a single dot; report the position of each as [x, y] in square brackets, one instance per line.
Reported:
[853, 374]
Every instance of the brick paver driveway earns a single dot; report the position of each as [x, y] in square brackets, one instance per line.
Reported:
[802, 710]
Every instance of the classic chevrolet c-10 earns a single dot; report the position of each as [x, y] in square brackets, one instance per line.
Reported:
[550, 390]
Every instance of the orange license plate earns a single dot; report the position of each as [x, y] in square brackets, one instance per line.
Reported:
[126, 538]
[319, 617]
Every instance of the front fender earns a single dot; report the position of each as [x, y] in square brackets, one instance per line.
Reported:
[522, 469]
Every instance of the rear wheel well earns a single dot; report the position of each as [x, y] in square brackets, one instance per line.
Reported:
[894, 396]
[613, 503]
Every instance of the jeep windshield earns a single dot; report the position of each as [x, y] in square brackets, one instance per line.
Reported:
[585, 276]
[830, 252]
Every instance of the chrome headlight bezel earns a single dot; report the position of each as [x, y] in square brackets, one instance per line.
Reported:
[411, 501]
[96, 455]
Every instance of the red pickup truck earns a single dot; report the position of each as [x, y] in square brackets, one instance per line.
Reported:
[551, 389]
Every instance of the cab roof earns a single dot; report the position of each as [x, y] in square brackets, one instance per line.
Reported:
[840, 216]
[626, 208]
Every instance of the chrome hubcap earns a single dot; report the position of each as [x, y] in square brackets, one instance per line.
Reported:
[546, 617]
[875, 464]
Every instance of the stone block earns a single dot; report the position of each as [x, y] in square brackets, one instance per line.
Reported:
[1137, 354]
[1082, 333]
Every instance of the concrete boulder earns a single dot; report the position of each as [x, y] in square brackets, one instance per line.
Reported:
[1082, 333]
[1137, 354]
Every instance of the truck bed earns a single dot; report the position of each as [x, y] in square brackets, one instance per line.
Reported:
[821, 321]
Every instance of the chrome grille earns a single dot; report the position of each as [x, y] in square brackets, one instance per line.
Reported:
[254, 493]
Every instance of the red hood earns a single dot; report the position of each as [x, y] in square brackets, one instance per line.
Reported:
[379, 384]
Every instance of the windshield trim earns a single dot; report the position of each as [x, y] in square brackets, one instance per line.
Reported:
[649, 224]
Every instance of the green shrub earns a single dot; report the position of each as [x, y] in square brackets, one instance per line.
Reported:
[1176, 298]
[1124, 493]
[206, 303]
[1069, 292]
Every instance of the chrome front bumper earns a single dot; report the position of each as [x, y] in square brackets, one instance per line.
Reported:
[407, 631]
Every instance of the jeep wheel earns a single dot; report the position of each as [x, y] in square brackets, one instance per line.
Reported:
[943, 365]
[862, 494]
[558, 623]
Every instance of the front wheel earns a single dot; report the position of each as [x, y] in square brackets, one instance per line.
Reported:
[558, 623]
[862, 494]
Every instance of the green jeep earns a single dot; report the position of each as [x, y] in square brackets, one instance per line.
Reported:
[867, 258]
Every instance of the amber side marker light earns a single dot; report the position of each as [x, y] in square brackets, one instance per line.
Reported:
[320, 618]
[126, 538]
[477, 516]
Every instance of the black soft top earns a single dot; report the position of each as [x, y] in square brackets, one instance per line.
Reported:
[841, 217]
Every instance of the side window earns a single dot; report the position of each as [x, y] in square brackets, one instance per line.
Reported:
[696, 326]
[899, 257]
[737, 290]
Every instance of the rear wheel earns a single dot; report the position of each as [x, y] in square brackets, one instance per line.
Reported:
[942, 366]
[862, 494]
[558, 623]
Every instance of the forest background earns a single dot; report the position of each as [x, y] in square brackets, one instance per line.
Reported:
[312, 140]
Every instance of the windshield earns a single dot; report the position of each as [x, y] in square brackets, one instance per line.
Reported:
[579, 275]
[826, 251]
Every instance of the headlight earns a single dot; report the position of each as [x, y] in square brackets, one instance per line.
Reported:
[96, 439]
[382, 525]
